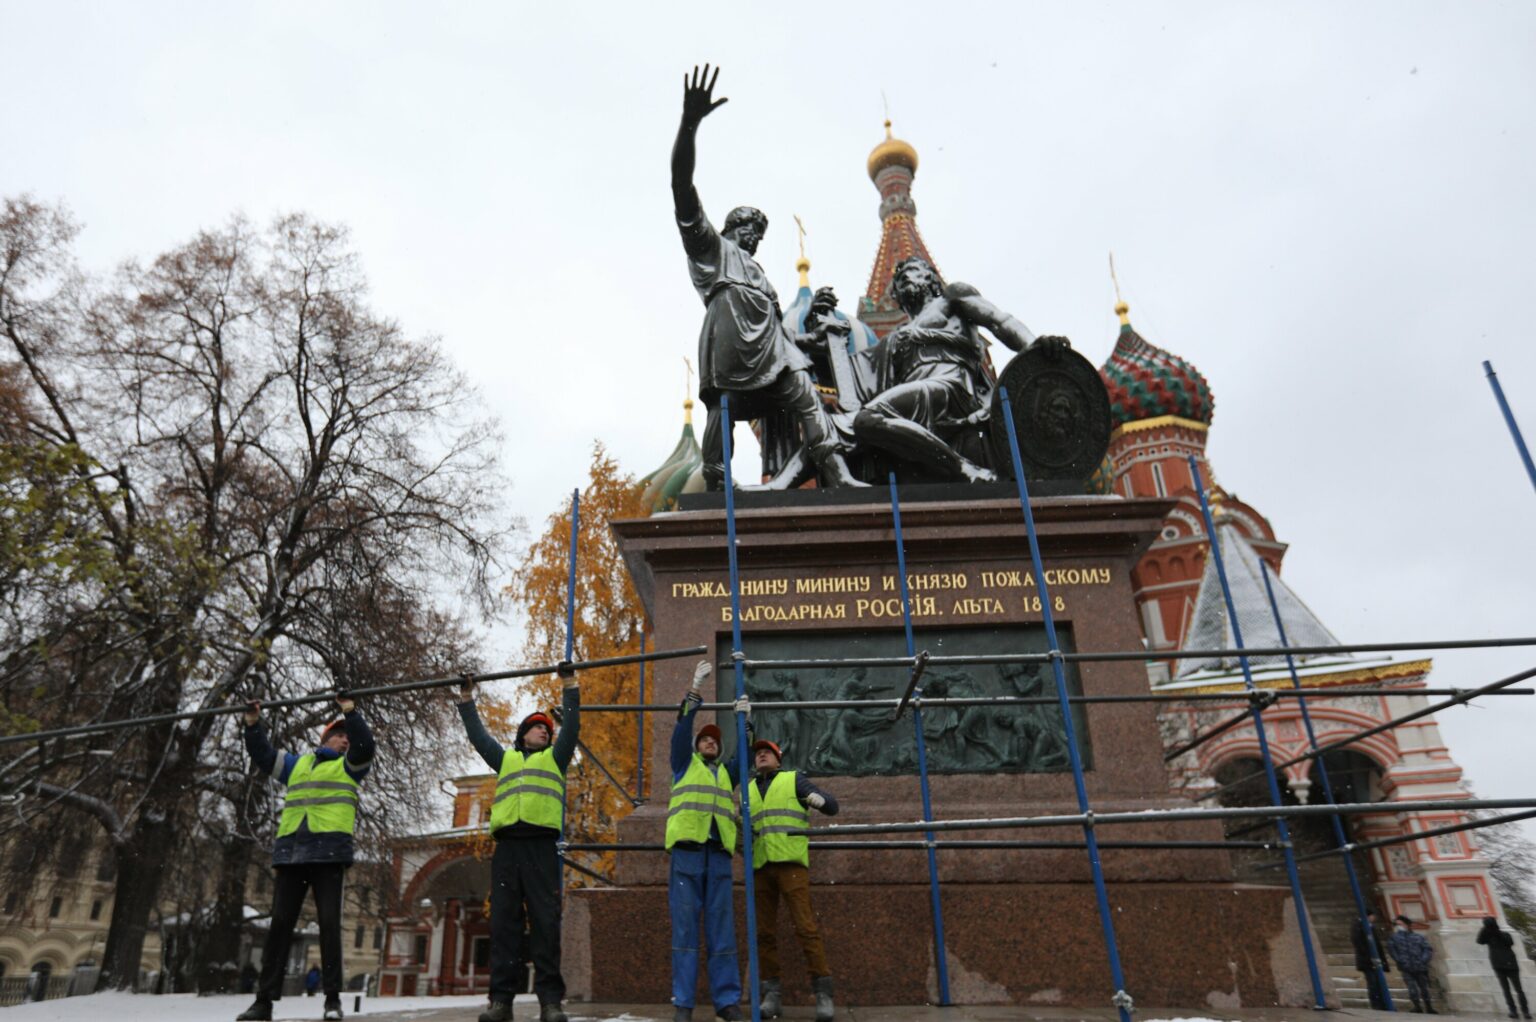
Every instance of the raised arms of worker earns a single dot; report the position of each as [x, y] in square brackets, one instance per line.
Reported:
[698, 103]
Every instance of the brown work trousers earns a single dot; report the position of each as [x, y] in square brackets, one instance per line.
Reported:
[792, 882]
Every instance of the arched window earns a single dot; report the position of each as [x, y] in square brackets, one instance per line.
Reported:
[1157, 480]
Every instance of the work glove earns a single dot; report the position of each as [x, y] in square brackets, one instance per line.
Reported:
[701, 672]
[252, 714]
[815, 800]
[743, 705]
[346, 702]
[567, 672]
[466, 688]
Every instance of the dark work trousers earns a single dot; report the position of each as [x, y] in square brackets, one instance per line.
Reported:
[287, 900]
[525, 875]
[1511, 978]
[1418, 987]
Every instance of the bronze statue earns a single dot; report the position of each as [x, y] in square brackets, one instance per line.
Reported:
[936, 380]
[744, 350]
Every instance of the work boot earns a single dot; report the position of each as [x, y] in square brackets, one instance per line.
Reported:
[681, 1014]
[499, 1011]
[822, 985]
[551, 1012]
[261, 1011]
[729, 1013]
[332, 1008]
[773, 1000]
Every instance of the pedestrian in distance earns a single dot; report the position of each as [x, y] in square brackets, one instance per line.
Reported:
[314, 844]
[702, 823]
[780, 804]
[1366, 960]
[1501, 955]
[527, 818]
[312, 981]
[1412, 953]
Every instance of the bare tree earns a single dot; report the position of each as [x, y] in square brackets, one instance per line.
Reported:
[280, 486]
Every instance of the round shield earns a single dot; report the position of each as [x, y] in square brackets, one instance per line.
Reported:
[1060, 412]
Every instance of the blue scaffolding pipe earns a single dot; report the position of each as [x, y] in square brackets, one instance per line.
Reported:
[570, 647]
[915, 694]
[1509, 420]
[1338, 821]
[1258, 727]
[640, 730]
[1121, 999]
[743, 754]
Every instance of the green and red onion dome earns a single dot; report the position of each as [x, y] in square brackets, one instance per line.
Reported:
[1145, 381]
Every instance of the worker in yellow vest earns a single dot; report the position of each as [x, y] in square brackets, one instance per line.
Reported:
[781, 801]
[313, 847]
[702, 820]
[527, 814]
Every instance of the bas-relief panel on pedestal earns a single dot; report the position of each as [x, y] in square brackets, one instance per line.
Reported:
[958, 739]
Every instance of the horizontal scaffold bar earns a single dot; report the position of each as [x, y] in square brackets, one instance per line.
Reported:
[327, 697]
[1000, 845]
[1096, 819]
[1149, 697]
[1462, 696]
[956, 659]
[1399, 839]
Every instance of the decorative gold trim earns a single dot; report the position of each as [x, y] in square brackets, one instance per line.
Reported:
[1157, 422]
[1381, 672]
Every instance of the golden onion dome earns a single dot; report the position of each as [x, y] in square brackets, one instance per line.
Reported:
[893, 152]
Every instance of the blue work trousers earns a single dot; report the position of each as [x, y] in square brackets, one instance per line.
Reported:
[700, 884]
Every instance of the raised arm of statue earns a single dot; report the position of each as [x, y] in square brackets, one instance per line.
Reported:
[698, 103]
[1006, 328]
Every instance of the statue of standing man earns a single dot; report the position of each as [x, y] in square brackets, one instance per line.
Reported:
[744, 350]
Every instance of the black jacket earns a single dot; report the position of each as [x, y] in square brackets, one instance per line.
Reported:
[1501, 946]
[1363, 947]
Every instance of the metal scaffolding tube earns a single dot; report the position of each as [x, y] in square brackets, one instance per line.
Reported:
[1378, 963]
[1216, 731]
[914, 696]
[743, 756]
[1109, 819]
[1298, 898]
[998, 845]
[1509, 420]
[1121, 998]
[1206, 697]
[1465, 696]
[372, 690]
[1402, 839]
[960, 659]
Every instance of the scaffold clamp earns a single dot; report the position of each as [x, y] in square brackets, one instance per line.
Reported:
[1123, 1001]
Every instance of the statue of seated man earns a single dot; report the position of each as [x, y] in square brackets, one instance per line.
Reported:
[744, 350]
[936, 380]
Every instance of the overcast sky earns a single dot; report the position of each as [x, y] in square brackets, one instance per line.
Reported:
[1328, 208]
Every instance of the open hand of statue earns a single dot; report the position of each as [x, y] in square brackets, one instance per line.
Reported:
[698, 95]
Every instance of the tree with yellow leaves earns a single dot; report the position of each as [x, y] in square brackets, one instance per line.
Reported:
[609, 619]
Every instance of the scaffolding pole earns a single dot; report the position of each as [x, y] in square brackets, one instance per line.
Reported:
[1401, 839]
[1108, 656]
[743, 754]
[1121, 999]
[570, 649]
[1509, 420]
[1463, 697]
[770, 706]
[1300, 903]
[1377, 961]
[1111, 819]
[914, 697]
[355, 693]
